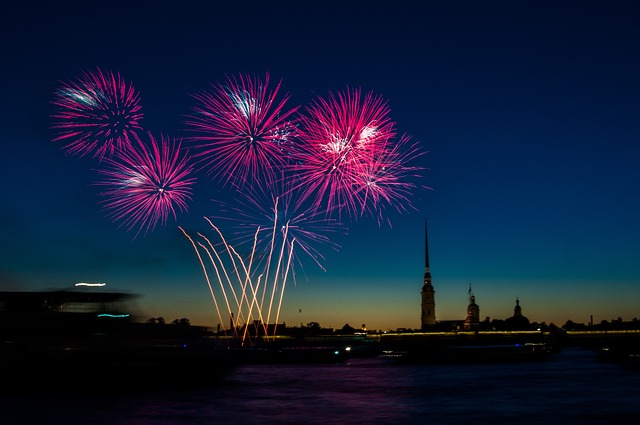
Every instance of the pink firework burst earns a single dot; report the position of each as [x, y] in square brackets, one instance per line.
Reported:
[147, 183]
[389, 178]
[96, 114]
[243, 131]
[341, 138]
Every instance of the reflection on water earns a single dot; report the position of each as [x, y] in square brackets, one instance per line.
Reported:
[572, 387]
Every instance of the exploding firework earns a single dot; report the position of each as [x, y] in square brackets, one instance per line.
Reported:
[147, 183]
[389, 178]
[243, 131]
[344, 140]
[97, 114]
[275, 208]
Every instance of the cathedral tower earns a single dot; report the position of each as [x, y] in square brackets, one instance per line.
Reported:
[428, 317]
[517, 311]
[472, 321]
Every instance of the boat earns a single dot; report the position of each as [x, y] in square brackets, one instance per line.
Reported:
[79, 338]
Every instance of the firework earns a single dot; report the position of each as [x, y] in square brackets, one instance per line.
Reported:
[389, 178]
[97, 114]
[275, 208]
[242, 130]
[341, 138]
[147, 183]
[250, 294]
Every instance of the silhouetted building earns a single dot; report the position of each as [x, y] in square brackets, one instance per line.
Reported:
[517, 310]
[472, 321]
[428, 317]
[517, 322]
[346, 330]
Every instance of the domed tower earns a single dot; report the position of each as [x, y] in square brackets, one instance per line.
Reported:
[517, 322]
[472, 321]
[428, 317]
[517, 311]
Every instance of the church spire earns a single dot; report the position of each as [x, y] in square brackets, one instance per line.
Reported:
[427, 272]
[428, 316]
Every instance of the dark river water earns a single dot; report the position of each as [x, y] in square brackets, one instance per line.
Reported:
[573, 387]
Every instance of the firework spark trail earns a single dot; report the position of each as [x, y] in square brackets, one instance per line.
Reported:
[146, 183]
[254, 289]
[224, 270]
[220, 281]
[217, 268]
[338, 136]
[242, 130]
[246, 296]
[284, 282]
[206, 275]
[247, 281]
[271, 246]
[231, 257]
[232, 253]
[97, 114]
[276, 274]
[240, 316]
[253, 303]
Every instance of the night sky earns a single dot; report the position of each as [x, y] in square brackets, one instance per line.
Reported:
[529, 112]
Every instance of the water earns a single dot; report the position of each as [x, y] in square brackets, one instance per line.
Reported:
[571, 388]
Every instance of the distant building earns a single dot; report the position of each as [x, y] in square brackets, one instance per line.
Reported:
[517, 321]
[428, 316]
[346, 330]
[472, 322]
[517, 311]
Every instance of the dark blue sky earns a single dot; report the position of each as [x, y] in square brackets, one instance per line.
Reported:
[529, 111]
